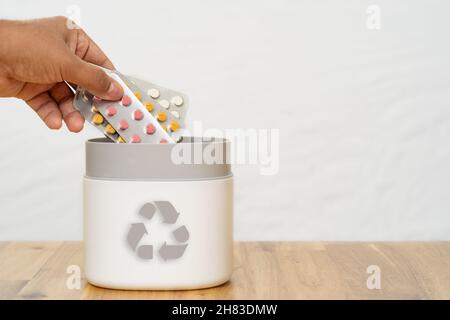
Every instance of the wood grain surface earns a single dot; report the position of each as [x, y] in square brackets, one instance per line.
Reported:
[262, 270]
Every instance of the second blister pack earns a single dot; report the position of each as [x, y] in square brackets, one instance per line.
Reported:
[139, 116]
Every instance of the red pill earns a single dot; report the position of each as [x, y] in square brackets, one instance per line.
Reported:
[126, 101]
[163, 141]
[138, 115]
[123, 125]
[150, 129]
[135, 139]
[111, 111]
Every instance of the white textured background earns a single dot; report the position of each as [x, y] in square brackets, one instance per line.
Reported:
[364, 115]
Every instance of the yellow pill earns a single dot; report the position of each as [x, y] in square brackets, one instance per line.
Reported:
[174, 126]
[161, 116]
[121, 140]
[138, 95]
[149, 106]
[97, 118]
[109, 129]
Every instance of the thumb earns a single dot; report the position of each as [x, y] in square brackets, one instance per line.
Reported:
[93, 79]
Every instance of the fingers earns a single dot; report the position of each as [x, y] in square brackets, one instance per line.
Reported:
[96, 56]
[93, 78]
[63, 96]
[47, 110]
[89, 51]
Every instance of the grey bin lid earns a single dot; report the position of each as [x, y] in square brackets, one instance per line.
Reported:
[143, 161]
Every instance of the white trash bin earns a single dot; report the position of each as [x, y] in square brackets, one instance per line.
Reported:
[150, 223]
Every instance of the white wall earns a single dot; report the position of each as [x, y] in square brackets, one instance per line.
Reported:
[364, 114]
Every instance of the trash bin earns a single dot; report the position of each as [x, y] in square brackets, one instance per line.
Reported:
[153, 221]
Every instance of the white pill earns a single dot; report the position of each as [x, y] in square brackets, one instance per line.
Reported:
[177, 100]
[176, 114]
[164, 103]
[154, 93]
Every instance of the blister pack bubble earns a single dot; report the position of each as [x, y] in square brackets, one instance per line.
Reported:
[135, 119]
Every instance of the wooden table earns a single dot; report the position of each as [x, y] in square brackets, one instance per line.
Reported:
[263, 270]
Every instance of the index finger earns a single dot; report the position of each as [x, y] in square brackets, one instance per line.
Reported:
[91, 52]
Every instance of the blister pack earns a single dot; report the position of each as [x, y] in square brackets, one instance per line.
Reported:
[174, 102]
[136, 118]
[83, 102]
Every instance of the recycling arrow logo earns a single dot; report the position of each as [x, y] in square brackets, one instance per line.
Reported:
[138, 230]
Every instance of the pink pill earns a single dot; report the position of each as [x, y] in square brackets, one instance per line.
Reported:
[163, 141]
[126, 101]
[138, 115]
[150, 129]
[111, 111]
[123, 125]
[135, 139]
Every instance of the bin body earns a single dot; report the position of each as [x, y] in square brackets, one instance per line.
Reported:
[150, 223]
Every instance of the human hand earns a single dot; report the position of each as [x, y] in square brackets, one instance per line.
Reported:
[37, 56]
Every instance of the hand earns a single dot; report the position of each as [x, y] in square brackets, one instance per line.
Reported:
[37, 56]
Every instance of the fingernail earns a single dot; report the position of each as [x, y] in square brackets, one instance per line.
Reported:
[115, 92]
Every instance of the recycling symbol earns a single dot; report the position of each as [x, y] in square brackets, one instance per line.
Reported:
[138, 230]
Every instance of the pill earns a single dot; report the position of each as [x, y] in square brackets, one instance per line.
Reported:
[126, 101]
[161, 116]
[123, 125]
[176, 114]
[138, 95]
[135, 139]
[94, 109]
[111, 111]
[150, 129]
[109, 129]
[149, 106]
[138, 115]
[154, 93]
[177, 100]
[174, 126]
[97, 118]
[164, 103]
[121, 140]
[163, 141]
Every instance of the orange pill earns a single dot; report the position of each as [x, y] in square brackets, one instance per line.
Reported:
[161, 116]
[174, 126]
[138, 95]
[149, 106]
[109, 129]
[97, 118]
